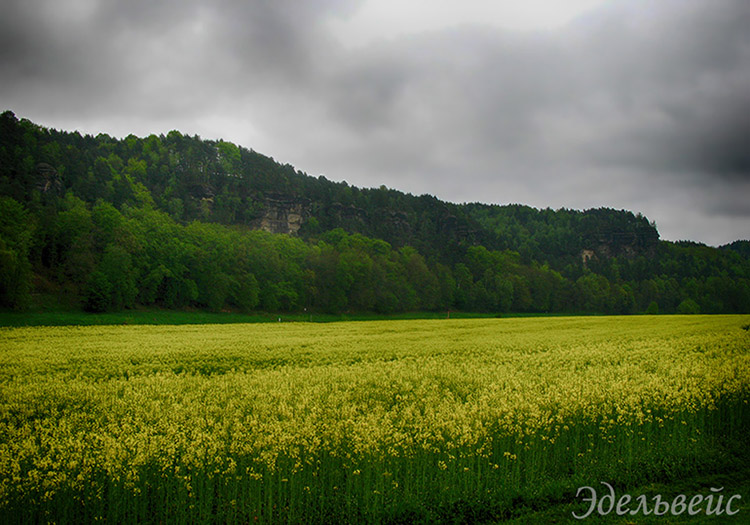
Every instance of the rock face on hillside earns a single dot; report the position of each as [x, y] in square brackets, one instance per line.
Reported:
[48, 179]
[286, 213]
[282, 214]
[611, 233]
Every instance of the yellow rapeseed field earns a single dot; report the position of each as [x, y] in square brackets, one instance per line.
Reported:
[360, 421]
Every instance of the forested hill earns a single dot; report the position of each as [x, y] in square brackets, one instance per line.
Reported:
[177, 221]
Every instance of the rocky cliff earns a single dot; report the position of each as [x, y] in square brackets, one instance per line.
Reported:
[282, 214]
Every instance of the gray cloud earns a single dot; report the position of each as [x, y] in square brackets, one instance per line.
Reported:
[638, 104]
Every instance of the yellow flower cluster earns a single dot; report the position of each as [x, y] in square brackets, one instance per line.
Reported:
[308, 422]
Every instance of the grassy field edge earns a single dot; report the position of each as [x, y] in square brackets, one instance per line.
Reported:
[11, 318]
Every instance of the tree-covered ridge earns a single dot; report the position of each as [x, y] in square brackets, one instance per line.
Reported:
[216, 181]
[174, 221]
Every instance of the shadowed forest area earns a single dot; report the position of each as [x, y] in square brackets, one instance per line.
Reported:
[179, 222]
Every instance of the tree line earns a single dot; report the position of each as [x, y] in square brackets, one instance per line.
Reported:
[167, 220]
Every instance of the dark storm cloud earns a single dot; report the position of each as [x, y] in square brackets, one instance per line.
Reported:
[658, 88]
[638, 104]
[678, 81]
[147, 56]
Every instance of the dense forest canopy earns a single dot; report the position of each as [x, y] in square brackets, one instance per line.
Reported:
[177, 221]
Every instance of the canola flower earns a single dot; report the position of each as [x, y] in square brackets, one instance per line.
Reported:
[355, 422]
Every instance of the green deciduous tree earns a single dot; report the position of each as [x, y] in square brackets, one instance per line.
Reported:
[688, 306]
[97, 296]
[117, 267]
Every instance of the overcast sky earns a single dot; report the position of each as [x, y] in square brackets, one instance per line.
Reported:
[643, 105]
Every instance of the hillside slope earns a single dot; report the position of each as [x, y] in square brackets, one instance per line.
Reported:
[179, 221]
